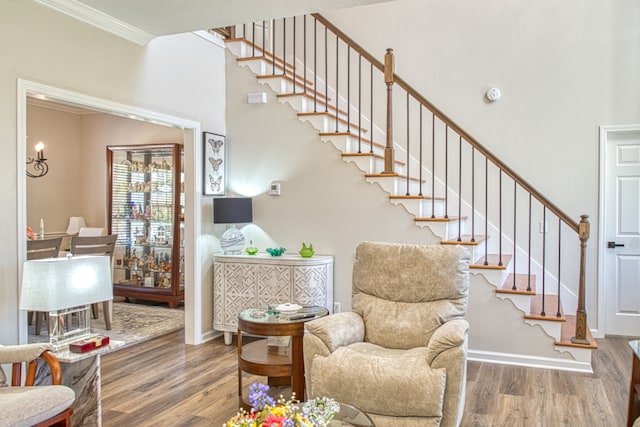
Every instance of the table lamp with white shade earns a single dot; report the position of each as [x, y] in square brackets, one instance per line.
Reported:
[75, 224]
[63, 287]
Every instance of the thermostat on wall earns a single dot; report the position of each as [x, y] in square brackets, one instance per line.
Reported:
[274, 188]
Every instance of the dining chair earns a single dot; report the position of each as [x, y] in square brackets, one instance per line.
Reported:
[96, 245]
[39, 249]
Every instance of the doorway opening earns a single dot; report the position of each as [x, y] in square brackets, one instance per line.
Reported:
[84, 162]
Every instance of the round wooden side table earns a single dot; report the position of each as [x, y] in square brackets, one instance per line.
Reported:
[276, 363]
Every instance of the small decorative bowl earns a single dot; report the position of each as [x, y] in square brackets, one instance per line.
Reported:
[251, 250]
[276, 251]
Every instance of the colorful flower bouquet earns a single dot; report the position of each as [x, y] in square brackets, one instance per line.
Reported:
[268, 412]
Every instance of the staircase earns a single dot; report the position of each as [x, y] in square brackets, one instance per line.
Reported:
[521, 243]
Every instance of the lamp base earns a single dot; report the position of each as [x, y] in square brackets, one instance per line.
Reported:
[69, 325]
[232, 240]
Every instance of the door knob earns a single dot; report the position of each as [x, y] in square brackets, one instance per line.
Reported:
[613, 245]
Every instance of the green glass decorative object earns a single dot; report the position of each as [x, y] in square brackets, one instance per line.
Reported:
[251, 250]
[276, 251]
[306, 252]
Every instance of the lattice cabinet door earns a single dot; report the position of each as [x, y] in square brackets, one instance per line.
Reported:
[260, 281]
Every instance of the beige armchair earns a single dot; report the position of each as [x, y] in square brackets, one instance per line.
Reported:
[33, 406]
[400, 356]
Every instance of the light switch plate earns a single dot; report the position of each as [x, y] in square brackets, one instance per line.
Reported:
[274, 188]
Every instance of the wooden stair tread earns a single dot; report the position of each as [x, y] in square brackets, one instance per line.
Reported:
[568, 330]
[333, 116]
[391, 175]
[493, 262]
[281, 76]
[353, 135]
[266, 55]
[440, 219]
[550, 307]
[522, 283]
[279, 70]
[377, 156]
[320, 97]
[416, 197]
[466, 240]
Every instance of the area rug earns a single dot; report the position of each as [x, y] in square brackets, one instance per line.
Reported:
[131, 323]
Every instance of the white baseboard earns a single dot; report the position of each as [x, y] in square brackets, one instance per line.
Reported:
[210, 335]
[529, 361]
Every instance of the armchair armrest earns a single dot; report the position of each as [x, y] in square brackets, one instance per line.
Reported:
[28, 353]
[22, 353]
[338, 329]
[450, 335]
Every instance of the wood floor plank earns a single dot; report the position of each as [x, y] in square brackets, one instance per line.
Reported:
[511, 412]
[164, 382]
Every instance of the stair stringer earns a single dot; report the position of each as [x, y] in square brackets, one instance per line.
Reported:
[537, 355]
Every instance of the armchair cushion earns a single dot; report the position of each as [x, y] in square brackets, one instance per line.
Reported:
[403, 325]
[405, 292]
[380, 380]
[35, 404]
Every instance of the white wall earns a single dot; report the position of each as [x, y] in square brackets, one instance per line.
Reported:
[180, 76]
[56, 196]
[564, 69]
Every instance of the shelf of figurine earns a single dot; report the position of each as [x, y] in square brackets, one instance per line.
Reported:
[133, 211]
[152, 186]
[144, 167]
[156, 280]
[148, 262]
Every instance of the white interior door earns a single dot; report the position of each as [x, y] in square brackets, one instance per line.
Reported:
[621, 243]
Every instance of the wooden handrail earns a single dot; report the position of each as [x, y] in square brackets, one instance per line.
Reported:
[452, 125]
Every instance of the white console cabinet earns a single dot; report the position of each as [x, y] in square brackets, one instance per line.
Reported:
[258, 281]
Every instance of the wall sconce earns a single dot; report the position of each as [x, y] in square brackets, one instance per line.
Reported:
[40, 166]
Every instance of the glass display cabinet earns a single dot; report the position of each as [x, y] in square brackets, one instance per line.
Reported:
[146, 206]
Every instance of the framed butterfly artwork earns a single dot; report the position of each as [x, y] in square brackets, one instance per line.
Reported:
[215, 167]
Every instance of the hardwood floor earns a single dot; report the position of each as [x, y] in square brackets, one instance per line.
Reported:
[162, 382]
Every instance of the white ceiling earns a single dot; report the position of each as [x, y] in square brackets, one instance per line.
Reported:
[150, 18]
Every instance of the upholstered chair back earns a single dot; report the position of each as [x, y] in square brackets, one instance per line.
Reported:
[405, 292]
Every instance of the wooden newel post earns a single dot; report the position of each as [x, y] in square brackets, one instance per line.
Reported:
[388, 79]
[581, 313]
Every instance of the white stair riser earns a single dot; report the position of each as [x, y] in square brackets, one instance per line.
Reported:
[550, 327]
[302, 103]
[580, 354]
[522, 302]
[445, 230]
[281, 85]
[494, 276]
[370, 164]
[422, 208]
[238, 48]
[395, 186]
[349, 144]
[260, 67]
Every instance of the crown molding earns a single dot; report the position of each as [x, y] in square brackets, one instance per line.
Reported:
[99, 19]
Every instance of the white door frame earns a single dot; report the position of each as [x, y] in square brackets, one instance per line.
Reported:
[605, 131]
[192, 162]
